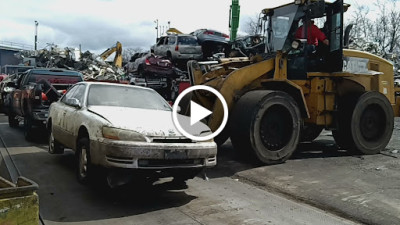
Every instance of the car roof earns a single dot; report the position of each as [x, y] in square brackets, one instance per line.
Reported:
[54, 71]
[179, 35]
[112, 84]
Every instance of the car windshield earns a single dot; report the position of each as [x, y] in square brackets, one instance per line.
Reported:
[126, 96]
[187, 40]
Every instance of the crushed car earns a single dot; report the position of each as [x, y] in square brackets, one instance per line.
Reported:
[125, 128]
[156, 72]
[247, 46]
[212, 42]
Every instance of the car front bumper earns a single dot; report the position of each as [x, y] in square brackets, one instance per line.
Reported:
[189, 56]
[143, 155]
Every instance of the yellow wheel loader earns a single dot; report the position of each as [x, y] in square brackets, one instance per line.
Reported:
[292, 91]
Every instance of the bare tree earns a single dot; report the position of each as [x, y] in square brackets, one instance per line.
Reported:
[394, 27]
[251, 26]
[363, 25]
[127, 53]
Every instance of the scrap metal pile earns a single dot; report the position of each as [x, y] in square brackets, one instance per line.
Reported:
[92, 66]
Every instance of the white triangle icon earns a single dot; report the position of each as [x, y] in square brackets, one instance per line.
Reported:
[197, 112]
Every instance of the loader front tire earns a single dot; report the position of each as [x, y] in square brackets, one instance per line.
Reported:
[266, 124]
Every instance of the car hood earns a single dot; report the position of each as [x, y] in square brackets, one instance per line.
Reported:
[149, 122]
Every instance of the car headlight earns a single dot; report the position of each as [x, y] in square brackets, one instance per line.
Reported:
[123, 135]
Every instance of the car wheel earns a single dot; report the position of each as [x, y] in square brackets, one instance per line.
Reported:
[12, 121]
[28, 125]
[54, 146]
[84, 173]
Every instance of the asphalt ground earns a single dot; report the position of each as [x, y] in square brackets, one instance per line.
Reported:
[223, 199]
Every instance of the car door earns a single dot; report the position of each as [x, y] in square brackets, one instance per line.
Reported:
[170, 45]
[17, 95]
[59, 121]
[160, 47]
[73, 116]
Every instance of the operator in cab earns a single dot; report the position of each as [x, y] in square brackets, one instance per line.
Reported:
[314, 34]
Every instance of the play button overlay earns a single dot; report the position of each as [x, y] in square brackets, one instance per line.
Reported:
[197, 113]
[189, 127]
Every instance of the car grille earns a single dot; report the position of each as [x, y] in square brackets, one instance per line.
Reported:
[170, 162]
[172, 140]
[123, 160]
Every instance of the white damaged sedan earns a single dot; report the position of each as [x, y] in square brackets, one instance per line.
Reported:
[126, 127]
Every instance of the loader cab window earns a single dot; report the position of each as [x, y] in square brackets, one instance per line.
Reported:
[335, 34]
[279, 25]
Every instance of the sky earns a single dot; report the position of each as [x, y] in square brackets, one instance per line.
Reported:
[99, 24]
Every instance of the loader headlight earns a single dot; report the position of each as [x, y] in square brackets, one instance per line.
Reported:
[123, 135]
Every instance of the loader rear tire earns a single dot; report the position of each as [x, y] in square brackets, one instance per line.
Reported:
[342, 134]
[370, 124]
[266, 124]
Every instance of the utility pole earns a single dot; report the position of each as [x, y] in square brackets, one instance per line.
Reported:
[169, 24]
[36, 28]
[156, 21]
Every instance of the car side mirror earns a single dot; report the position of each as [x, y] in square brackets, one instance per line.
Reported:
[74, 103]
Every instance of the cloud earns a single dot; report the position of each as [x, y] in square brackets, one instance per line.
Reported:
[95, 34]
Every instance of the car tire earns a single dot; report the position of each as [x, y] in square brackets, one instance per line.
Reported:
[84, 169]
[28, 126]
[12, 121]
[55, 147]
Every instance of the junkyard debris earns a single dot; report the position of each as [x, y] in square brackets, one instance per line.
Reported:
[92, 66]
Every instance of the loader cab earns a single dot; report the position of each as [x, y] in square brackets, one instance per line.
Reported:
[282, 23]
